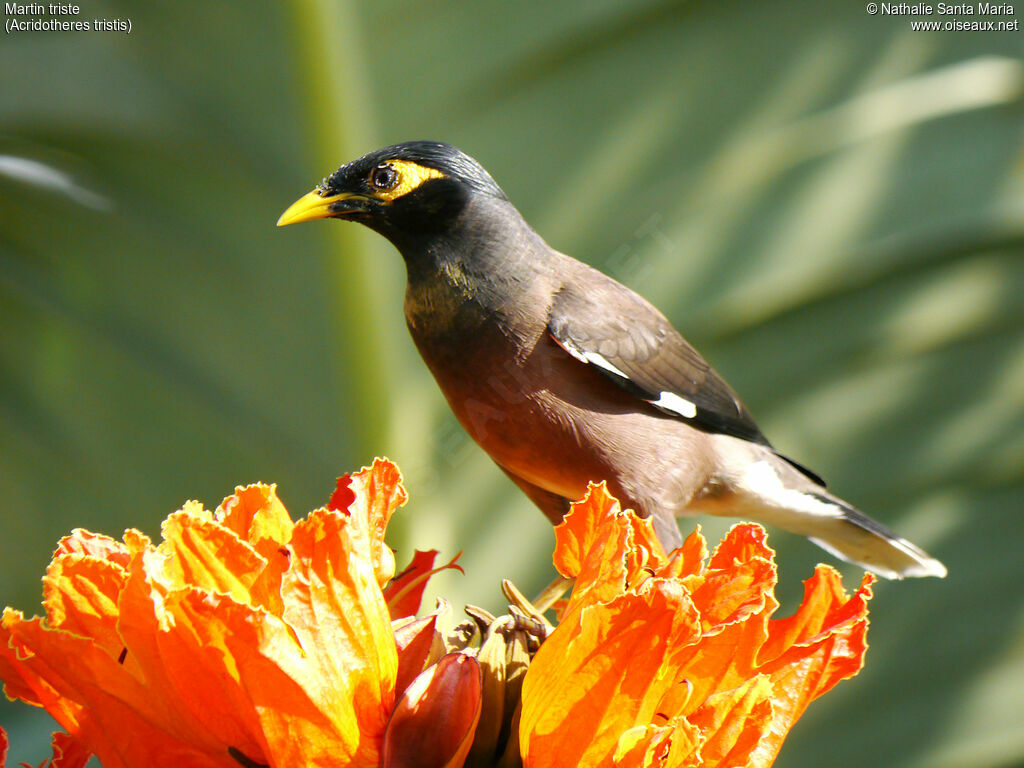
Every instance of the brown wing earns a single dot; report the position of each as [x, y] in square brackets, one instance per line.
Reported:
[621, 334]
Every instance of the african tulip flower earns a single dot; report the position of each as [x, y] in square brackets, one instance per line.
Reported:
[242, 638]
[670, 661]
[245, 638]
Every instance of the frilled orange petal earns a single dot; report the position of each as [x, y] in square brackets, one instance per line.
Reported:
[434, 722]
[257, 516]
[82, 542]
[738, 581]
[334, 605]
[80, 594]
[174, 642]
[241, 638]
[734, 597]
[584, 529]
[812, 664]
[733, 723]
[721, 683]
[373, 493]
[168, 645]
[296, 718]
[602, 547]
[602, 674]
[825, 606]
[676, 744]
[68, 752]
[20, 682]
[115, 716]
[643, 746]
[688, 560]
[201, 553]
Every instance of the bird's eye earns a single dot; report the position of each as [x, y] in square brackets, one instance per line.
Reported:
[384, 177]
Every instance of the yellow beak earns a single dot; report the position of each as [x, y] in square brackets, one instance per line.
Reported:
[311, 206]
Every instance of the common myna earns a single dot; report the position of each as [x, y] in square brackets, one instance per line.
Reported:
[564, 376]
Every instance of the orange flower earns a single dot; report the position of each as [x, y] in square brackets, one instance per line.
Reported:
[243, 638]
[667, 661]
[246, 639]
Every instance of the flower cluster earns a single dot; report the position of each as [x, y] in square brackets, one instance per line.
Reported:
[674, 660]
[244, 638]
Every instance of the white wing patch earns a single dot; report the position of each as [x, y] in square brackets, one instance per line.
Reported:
[591, 358]
[572, 349]
[595, 359]
[670, 401]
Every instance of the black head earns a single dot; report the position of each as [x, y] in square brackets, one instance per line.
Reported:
[404, 191]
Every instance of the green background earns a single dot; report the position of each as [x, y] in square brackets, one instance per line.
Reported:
[829, 205]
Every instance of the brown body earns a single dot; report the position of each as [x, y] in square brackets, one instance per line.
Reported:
[551, 422]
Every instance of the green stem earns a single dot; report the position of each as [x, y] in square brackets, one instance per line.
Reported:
[335, 82]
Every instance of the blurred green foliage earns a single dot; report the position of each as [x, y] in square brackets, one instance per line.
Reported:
[829, 205]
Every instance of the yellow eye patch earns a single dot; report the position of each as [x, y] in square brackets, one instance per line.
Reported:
[410, 176]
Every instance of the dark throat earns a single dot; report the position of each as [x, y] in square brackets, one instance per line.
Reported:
[472, 273]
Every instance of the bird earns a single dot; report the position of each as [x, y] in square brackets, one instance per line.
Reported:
[564, 376]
